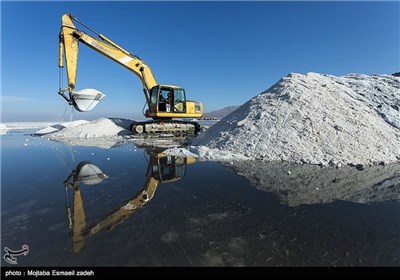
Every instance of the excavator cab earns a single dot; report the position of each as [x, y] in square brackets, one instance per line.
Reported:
[167, 101]
[166, 168]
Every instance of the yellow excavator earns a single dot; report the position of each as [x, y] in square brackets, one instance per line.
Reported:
[162, 168]
[164, 102]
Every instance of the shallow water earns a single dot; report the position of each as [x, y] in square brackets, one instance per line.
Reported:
[150, 210]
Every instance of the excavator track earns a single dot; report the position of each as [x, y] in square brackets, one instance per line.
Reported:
[175, 127]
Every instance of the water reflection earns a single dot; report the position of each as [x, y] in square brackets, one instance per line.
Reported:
[162, 168]
[296, 184]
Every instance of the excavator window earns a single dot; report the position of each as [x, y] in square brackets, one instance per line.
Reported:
[168, 99]
[164, 169]
[165, 100]
[179, 101]
[153, 95]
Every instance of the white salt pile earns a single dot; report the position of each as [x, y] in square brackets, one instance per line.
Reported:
[3, 129]
[104, 132]
[57, 127]
[103, 127]
[313, 118]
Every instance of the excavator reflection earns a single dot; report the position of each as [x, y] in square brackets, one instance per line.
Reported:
[162, 168]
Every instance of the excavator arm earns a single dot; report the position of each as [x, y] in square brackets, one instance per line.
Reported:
[161, 168]
[78, 227]
[77, 218]
[69, 39]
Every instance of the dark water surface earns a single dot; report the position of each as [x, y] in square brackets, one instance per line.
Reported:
[140, 208]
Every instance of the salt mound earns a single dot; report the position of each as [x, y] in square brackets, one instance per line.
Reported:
[58, 127]
[103, 133]
[103, 127]
[3, 129]
[313, 118]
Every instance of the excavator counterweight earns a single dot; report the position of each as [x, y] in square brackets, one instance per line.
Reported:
[164, 102]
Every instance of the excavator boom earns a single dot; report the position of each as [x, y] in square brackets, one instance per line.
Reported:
[69, 40]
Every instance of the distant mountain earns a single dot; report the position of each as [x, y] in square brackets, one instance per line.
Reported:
[397, 74]
[219, 114]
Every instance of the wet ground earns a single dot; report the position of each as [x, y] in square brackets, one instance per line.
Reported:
[132, 206]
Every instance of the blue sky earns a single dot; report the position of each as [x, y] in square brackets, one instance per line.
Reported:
[222, 53]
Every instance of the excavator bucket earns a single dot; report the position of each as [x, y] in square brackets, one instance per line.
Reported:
[89, 174]
[86, 99]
